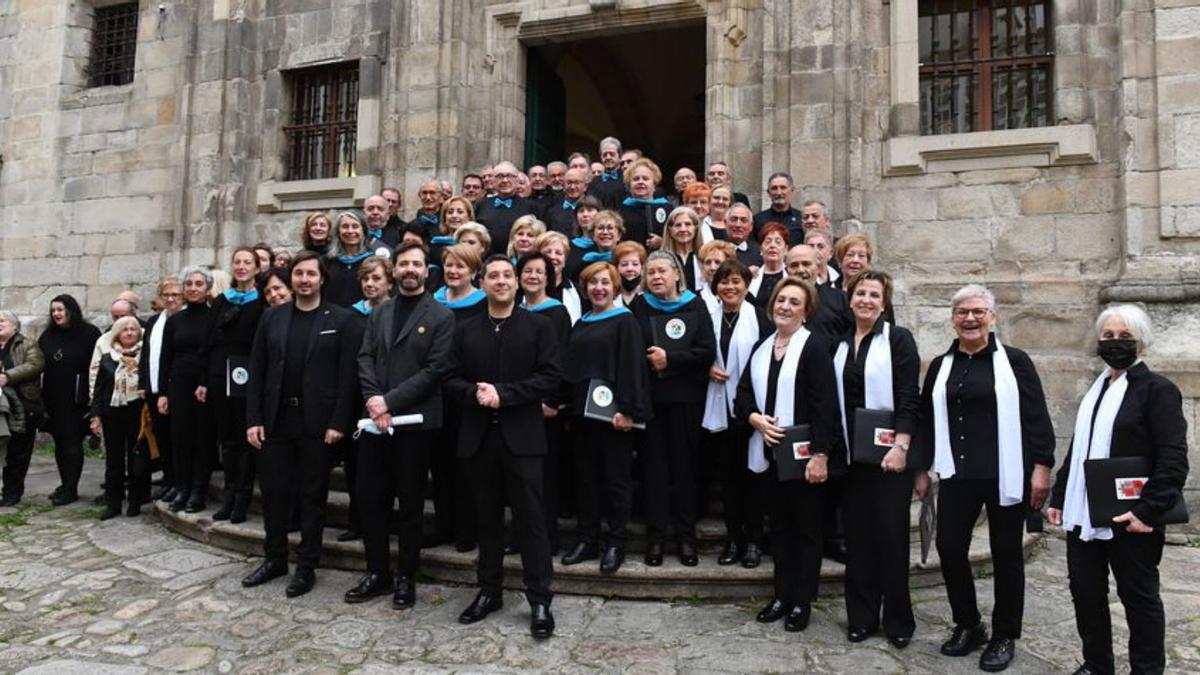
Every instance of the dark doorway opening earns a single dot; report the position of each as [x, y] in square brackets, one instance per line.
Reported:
[646, 88]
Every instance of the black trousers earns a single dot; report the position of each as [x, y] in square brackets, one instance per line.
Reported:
[161, 424]
[795, 508]
[18, 456]
[390, 467]
[551, 485]
[68, 429]
[959, 504]
[876, 509]
[237, 457]
[193, 437]
[604, 480]
[295, 466]
[742, 490]
[495, 473]
[1134, 560]
[453, 504]
[122, 459]
[348, 449]
[669, 470]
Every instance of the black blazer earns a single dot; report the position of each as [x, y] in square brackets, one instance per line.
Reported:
[408, 369]
[1150, 423]
[144, 364]
[329, 399]
[906, 373]
[522, 362]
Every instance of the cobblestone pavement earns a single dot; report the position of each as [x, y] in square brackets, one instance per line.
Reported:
[125, 596]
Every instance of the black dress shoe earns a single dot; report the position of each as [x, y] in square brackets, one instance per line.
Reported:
[964, 640]
[511, 549]
[133, 509]
[480, 607]
[687, 554]
[466, 546]
[241, 504]
[10, 501]
[434, 540]
[57, 491]
[613, 558]
[835, 550]
[195, 503]
[111, 512]
[860, 634]
[997, 656]
[1085, 669]
[583, 551]
[225, 511]
[541, 622]
[774, 611]
[752, 557]
[268, 570]
[167, 494]
[731, 554]
[406, 593]
[899, 641]
[370, 586]
[797, 619]
[180, 501]
[654, 554]
[301, 582]
[349, 535]
[63, 498]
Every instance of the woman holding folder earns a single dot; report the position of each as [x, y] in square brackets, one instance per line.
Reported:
[877, 368]
[605, 372]
[786, 395]
[1129, 413]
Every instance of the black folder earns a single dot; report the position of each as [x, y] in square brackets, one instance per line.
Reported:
[81, 390]
[601, 403]
[674, 332]
[793, 452]
[874, 435]
[237, 375]
[1114, 486]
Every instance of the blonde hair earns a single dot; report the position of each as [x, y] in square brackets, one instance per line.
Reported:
[477, 229]
[442, 226]
[530, 222]
[465, 253]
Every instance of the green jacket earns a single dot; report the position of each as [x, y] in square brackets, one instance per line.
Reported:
[26, 372]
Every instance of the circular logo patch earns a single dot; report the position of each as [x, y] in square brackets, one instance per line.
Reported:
[383, 252]
[240, 376]
[676, 329]
[602, 396]
[660, 215]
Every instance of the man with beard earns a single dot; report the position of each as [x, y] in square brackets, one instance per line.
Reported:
[719, 174]
[559, 214]
[609, 188]
[429, 217]
[498, 213]
[299, 404]
[555, 172]
[391, 232]
[405, 356]
[780, 189]
[507, 365]
[739, 224]
[472, 187]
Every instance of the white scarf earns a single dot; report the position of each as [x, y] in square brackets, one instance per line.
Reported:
[1087, 445]
[877, 378]
[711, 301]
[1008, 427]
[698, 271]
[718, 404]
[706, 230]
[570, 300]
[156, 338]
[785, 391]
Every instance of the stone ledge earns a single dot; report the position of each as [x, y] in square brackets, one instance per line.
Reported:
[314, 195]
[982, 150]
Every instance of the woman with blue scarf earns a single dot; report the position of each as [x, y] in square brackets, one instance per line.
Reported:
[234, 319]
[644, 214]
[597, 244]
[667, 312]
[350, 248]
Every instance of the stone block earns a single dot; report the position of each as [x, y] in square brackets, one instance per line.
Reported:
[966, 203]
[1181, 221]
[116, 214]
[1187, 141]
[1088, 237]
[1179, 56]
[1180, 93]
[1180, 22]
[26, 128]
[1047, 198]
[1096, 195]
[1178, 187]
[1023, 239]
[936, 241]
[128, 269]
[84, 187]
[42, 271]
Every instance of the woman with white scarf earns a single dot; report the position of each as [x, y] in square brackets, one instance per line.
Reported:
[789, 381]
[117, 413]
[877, 367]
[985, 424]
[738, 326]
[1128, 412]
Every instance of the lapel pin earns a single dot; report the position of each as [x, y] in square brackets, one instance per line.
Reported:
[421, 330]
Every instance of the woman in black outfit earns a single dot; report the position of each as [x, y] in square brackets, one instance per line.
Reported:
[789, 381]
[154, 379]
[738, 326]
[317, 234]
[117, 413]
[1128, 412]
[606, 345]
[678, 388]
[877, 368]
[67, 344]
[183, 361]
[350, 247]
[234, 320]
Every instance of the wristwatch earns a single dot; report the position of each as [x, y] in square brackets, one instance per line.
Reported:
[902, 446]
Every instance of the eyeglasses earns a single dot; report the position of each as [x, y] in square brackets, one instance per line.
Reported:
[975, 312]
[605, 228]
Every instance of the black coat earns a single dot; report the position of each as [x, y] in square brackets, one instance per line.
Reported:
[613, 350]
[105, 376]
[499, 219]
[329, 399]
[1150, 423]
[685, 379]
[521, 360]
[68, 355]
[230, 333]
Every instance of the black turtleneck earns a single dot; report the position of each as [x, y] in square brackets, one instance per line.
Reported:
[405, 304]
[185, 338]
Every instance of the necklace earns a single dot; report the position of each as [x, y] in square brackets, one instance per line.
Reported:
[497, 324]
[729, 319]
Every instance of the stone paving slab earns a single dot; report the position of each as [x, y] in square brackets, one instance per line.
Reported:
[126, 597]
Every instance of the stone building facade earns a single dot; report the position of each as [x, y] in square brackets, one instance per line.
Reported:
[103, 188]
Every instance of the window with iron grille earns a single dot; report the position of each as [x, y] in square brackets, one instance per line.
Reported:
[323, 122]
[114, 44]
[985, 65]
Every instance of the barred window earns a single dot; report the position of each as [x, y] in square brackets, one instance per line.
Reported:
[324, 119]
[114, 43]
[985, 65]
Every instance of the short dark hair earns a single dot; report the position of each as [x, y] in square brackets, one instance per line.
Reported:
[305, 256]
[531, 256]
[414, 228]
[729, 268]
[882, 278]
[284, 276]
[470, 176]
[406, 246]
[496, 257]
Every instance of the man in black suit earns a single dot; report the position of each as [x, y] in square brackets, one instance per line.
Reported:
[499, 212]
[739, 226]
[559, 214]
[507, 365]
[405, 356]
[299, 403]
[719, 174]
[609, 186]
[833, 317]
[781, 190]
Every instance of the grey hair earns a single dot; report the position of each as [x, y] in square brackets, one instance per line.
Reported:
[1135, 319]
[671, 258]
[556, 163]
[818, 202]
[972, 292]
[12, 318]
[823, 234]
[787, 176]
[196, 269]
[611, 140]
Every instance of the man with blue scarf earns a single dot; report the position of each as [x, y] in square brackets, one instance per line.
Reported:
[497, 213]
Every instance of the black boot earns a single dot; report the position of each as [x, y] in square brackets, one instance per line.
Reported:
[241, 504]
[226, 506]
[181, 500]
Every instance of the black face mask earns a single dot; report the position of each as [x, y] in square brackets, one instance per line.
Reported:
[1118, 354]
[630, 284]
